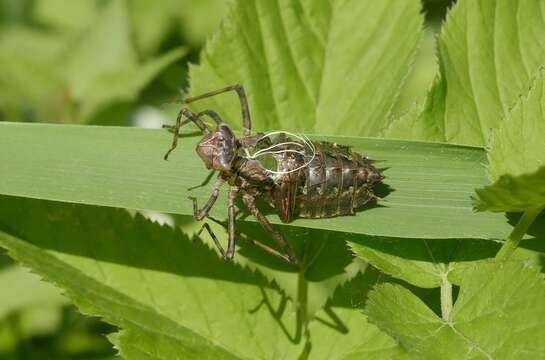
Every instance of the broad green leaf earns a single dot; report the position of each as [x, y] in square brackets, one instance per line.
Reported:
[343, 342]
[517, 156]
[499, 314]
[488, 51]
[517, 147]
[513, 193]
[428, 197]
[423, 263]
[426, 263]
[325, 260]
[332, 67]
[170, 296]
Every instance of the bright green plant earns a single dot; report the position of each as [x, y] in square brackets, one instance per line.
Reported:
[412, 278]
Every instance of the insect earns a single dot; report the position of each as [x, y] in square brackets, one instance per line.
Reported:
[296, 176]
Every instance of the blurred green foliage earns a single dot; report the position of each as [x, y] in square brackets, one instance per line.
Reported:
[94, 61]
[101, 61]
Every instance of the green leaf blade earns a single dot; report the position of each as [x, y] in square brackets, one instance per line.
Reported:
[430, 184]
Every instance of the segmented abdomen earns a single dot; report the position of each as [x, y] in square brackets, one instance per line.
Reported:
[336, 182]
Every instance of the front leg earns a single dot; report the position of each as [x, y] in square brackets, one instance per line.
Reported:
[201, 214]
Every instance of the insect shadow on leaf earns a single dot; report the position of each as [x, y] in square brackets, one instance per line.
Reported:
[296, 176]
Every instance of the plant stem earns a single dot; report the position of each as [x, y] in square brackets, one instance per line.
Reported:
[518, 232]
[446, 298]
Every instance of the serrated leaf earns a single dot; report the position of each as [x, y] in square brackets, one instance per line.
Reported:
[423, 263]
[171, 297]
[325, 260]
[517, 157]
[517, 147]
[499, 314]
[429, 194]
[426, 263]
[512, 193]
[488, 51]
[332, 67]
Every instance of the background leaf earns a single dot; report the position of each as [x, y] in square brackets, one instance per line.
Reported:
[108, 62]
[71, 75]
[299, 62]
[170, 296]
[488, 52]
[517, 157]
[25, 290]
[72, 16]
[428, 195]
[193, 21]
[499, 314]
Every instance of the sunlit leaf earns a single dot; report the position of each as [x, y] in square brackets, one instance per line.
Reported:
[428, 195]
[170, 296]
[332, 67]
[488, 51]
[499, 314]
[517, 157]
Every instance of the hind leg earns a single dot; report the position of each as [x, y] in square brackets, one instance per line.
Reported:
[249, 201]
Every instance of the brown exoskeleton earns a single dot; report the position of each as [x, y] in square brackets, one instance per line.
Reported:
[331, 180]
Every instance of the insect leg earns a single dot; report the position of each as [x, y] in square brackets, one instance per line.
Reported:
[211, 114]
[201, 214]
[258, 244]
[179, 123]
[249, 201]
[228, 255]
[246, 122]
[213, 236]
[233, 192]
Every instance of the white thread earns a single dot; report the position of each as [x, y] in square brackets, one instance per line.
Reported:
[269, 150]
